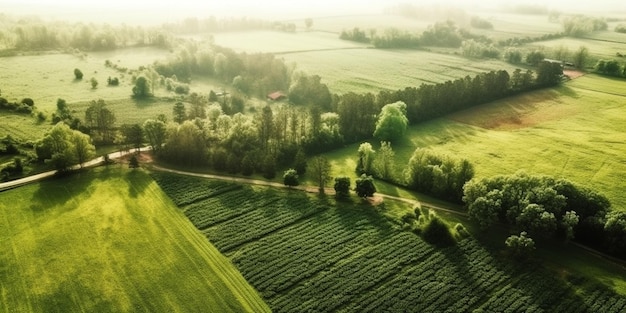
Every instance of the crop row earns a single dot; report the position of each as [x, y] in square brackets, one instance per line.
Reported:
[255, 224]
[184, 190]
[212, 211]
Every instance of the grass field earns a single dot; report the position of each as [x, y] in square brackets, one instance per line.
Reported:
[379, 22]
[372, 70]
[109, 240]
[575, 131]
[507, 26]
[47, 77]
[599, 48]
[306, 254]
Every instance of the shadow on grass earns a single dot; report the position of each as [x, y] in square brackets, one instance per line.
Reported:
[59, 190]
[137, 182]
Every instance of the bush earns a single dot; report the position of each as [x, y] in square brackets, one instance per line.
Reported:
[437, 233]
[78, 74]
[621, 28]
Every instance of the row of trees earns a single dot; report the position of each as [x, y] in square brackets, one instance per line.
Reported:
[546, 207]
[611, 68]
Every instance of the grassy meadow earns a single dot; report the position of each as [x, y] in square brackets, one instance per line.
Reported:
[372, 70]
[575, 131]
[282, 42]
[109, 240]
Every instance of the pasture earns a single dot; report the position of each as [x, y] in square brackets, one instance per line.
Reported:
[309, 254]
[575, 131]
[372, 70]
[109, 240]
[599, 48]
[47, 77]
[508, 25]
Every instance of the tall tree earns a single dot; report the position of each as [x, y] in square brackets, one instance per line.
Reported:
[383, 162]
[319, 169]
[64, 147]
[179, 112]
[580, 57]
[155, 132]
[143, 87]
[100, 120]
[392, 122]
[133, 134]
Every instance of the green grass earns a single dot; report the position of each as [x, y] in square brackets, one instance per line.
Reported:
[109, 240]
[47, 77]
[507, 26]
[568, 132]
[372, 70]
[305, 253]
[600, 47]
[379, 22]
[281, 42]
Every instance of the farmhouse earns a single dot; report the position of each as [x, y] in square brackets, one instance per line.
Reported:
[275, 96]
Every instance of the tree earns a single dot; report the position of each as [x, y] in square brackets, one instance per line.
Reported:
[342, 187]
[142, 88]
[437, 232]
[535, 57]
[310, 90]
[290, 178]
[94, 83]
[308, 22]
[549, 73]
[365, 186]
[155, 132]
[366, 157]
[535, 219]
[570, 220]
[580, 57]
[520, 246]
[133, 162]
[484, 210]
[100, 120]
[179, 112]
[185, 144]
[133, 134]
[319, 169]
[299, 163]
[78, 74]
[383, 162]
[392, 122]
[63, 147]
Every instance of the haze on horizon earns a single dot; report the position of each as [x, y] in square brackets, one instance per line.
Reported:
[151, 12]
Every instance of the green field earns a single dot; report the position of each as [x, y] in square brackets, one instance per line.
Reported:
[282, 42]
[379, 22]
[598, 48]
[571, 132]
[372, 70]
[507, 26]
[109, 240]
[306, 254]
[47, 77]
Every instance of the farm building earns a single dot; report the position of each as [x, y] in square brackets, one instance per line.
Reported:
[275, 96]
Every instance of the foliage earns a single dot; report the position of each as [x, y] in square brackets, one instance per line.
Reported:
[155, 133]
[365, 186]
[383, 166]
[64, 147]
[479, 22]
[366, 156]
[100, 121]
[26, 106]
[357, 115]
[143, 87]
[94, 83]
[473, 49]
[580, 57]
[610, 68]
[290, 178]
[620, 28]
[395, 38]
[179, 112]
[443, 34]
[310, 90]
[132, 134]
[439, 175]
[342, 187]
[78, 74]
[392, 122]
[319, 169]
[520, 246]
[185, 144]
[436, 232]
[133, 162]
[579, 25]
[535, 57]
[549, 73]
[299, 162]
[355, 34]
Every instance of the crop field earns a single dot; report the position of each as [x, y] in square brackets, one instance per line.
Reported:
[305, 254]
[47, 77]
[599, 48]
[109, 240]
[379, 22]
[282, 42]
[372, 70]
[507, 26]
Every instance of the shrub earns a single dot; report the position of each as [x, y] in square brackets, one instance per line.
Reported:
[78, 74]
[437, 233]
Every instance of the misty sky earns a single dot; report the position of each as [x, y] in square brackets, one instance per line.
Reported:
[140, 11]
